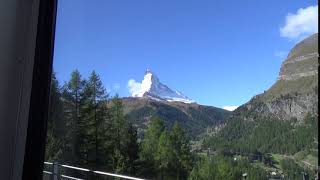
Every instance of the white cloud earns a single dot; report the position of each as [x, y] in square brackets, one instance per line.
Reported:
[134, 87]
[301, 24]
[230, 108]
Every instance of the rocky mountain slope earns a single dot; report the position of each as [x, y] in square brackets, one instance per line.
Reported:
[156, 99]
[282, 120]
[194, 118]
[295, 93]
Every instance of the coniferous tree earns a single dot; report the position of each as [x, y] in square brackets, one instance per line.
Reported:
[164, 155]
[132, 150]
[182, 152]
[149, 146]
[73, 100]
[95, 115]
[124, 140]
[119, 132]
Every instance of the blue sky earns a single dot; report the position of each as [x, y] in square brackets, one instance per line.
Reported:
[217, 52]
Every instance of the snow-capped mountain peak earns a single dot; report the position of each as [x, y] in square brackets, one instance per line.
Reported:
[151, 87]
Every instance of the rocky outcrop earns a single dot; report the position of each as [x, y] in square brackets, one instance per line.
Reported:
[301, 61]
[284, 107]
[295, 93]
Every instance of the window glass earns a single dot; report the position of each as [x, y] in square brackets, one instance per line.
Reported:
[184, 90]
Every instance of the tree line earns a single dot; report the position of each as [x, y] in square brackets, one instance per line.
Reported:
[257, 139]
[224, 167]
[87, 128]
[266, 135]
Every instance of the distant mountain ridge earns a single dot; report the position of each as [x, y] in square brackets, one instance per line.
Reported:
[156, 99]
[194, 118]
[294, 95]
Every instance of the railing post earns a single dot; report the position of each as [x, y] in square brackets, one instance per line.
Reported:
[55, 171]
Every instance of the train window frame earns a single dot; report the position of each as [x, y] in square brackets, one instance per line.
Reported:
[40, 90]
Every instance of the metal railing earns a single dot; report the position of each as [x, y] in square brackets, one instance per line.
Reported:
[57, 171]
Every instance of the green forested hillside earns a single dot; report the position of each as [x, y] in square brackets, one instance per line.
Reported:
[266, 136]
[194, 118]
[278, 129]
[274, 135]
[87, 128]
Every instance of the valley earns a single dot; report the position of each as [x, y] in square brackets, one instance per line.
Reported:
[160, 133]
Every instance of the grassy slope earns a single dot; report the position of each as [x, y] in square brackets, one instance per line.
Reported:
[303, 85]
[304, 47]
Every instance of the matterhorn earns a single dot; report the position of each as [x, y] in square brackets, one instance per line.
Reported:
[152, 88]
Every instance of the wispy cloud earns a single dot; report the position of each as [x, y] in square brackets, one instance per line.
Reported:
[301, 24]
[230, 108]
[134, 87]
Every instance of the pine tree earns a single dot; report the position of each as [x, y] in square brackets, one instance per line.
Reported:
[149, 146]
[151, 138]
[73, 112]
[182, 152]
[164, 155]
[132, 150]
[119, 132]
[95, 115]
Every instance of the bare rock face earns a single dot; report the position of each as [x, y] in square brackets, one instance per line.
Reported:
[295, 93]
[284, 107]
[301, 61]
